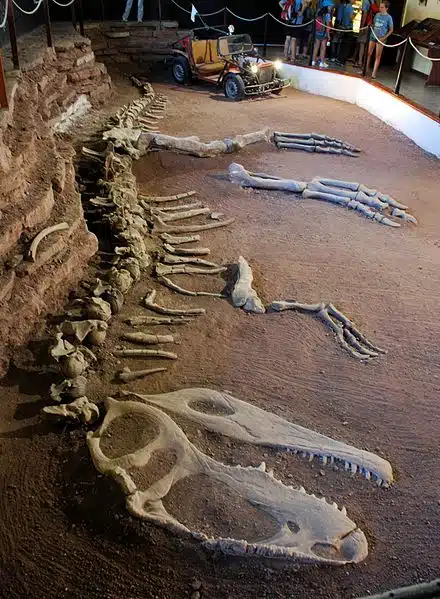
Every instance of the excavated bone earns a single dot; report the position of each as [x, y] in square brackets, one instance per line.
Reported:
[127, 376]
[193, 146]
[307, 528]
[132, 266]
[174, 287]
[137, 321]
[151, 305]
[349, 194]
[121, 279]
[162, 227]
[94, 330]
[41, 235]
[173, 259]
[164, 269]
[177, 208]
[166, 217]
[115, 298]
[222, 413]
[72, 388]
[160, 199]
[243, 295]
[314, 139]
[147, 339]
[403, 215]
[98, 309]
[61, 348]
[186, 251]
[80, 410]
[73, 365]
[179, 240]
[145, 353]
[348, 336]
[98, 288]
[240, 176]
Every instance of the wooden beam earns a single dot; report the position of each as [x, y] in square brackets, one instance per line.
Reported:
[3, 94]
[13, 35]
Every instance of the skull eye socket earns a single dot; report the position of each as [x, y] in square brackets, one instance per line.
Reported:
[206, 406]
[293, 526]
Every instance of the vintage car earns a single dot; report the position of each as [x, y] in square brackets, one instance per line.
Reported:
[228, 61]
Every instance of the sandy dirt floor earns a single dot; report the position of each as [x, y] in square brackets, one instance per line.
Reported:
[64, 530]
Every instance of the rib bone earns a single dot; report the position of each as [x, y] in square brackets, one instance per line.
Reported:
[149, 303]
[179, 240]
[144, 353]
[164, 269]
[159, 199]
[147, 339]
[171, 285]
[41, 235]
[187, 251]
[127, 376]
[156, 320]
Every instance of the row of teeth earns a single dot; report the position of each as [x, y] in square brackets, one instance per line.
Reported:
[348, 466]
[301, 489]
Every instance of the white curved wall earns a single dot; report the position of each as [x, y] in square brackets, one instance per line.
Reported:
[419, 127]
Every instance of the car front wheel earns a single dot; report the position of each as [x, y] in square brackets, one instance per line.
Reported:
[181, 70]
[234, 87]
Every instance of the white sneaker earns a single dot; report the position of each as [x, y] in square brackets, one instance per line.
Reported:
[323, 65]
[313, 63]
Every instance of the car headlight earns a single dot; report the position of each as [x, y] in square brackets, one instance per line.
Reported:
[254, 69]
[277, 64]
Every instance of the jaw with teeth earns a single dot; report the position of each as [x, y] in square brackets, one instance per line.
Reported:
[303, 527]
[224, 414]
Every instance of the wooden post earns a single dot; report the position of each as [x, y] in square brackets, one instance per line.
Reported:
[47, 24]
[365, 62]
[3, 94]
[401, 67]
[80, 18]
[13, 35]
[73, 9]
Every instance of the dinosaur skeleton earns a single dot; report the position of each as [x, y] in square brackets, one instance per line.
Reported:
[303, 527]
[356, 196]
[314, 142]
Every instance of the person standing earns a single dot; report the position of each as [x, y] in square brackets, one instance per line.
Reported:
[382, 29]
[344, 21]
[308, 15]
[369, 10]
[289, 14]
[322, 35]
[140, 10]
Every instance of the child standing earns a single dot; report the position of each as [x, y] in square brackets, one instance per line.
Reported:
[383, 27]
[322, 35]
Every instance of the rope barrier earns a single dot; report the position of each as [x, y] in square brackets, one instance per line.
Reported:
[28, 12]
[207, 14]
[423, 55]
[243, 19]
[5, 16]
[336, 29]
[288, 24]
[388, 45]
[64, 5]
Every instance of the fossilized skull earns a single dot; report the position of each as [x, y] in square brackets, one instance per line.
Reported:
[224, 414]
[153, 461]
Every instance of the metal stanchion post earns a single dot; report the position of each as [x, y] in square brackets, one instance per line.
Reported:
[225, 20]
[401, 67]
[13, 35]
[365, 61]
[47, 24]
[265, 35]
[313, 36]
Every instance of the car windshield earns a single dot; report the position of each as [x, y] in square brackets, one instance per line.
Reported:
[235, 44]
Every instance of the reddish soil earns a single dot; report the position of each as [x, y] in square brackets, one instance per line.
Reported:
[64, 529]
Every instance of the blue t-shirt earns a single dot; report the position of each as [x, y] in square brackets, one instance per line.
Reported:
[382, 24]
[344, 14]
[366, 5]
